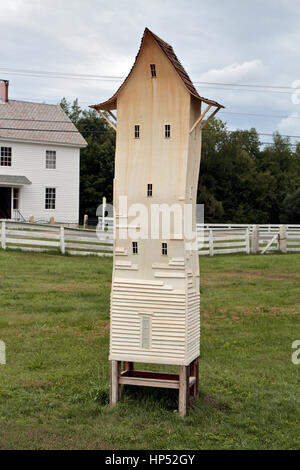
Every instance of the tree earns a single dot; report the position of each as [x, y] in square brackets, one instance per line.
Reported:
[291, 208]
[240, 181]
[96, 160]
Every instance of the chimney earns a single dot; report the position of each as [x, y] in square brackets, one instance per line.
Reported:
[4, 91]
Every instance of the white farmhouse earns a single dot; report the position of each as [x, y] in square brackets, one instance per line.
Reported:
[39, 161]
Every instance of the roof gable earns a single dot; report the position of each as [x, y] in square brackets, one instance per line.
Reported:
[170, 54]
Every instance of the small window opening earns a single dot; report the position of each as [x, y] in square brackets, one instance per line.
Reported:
[136, 131]
[167, 131]
[134, 248]
[153, 70]
[149, 190]
[164, 248]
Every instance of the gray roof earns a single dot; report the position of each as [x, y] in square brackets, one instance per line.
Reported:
[38, 122]
[14, 179]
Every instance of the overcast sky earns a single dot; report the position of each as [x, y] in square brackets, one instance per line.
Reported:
[233, 41]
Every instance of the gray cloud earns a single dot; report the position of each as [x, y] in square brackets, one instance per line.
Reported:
[234, 42]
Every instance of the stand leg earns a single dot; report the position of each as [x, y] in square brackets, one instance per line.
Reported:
[115, 387]
[194, 367]
[183, 398]
[128, 366]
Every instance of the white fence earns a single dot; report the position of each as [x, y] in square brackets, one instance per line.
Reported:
[213, 239]
[35, 237]
[223, 241]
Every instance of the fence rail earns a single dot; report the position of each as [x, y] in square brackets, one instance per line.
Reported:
[41, 237]
[213, 239]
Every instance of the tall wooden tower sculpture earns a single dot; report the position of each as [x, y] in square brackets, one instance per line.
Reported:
[155, 301]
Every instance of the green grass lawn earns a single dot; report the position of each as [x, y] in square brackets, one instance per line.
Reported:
[54, 319]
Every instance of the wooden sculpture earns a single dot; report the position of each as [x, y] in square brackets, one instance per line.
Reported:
[155, 300]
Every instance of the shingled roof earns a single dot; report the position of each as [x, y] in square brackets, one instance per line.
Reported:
[169, 52]
[38, 122]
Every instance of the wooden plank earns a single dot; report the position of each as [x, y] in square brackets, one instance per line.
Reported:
[194, 370]
[114, 382]
[49, 243]
[112, 115]
[29, 234]
[229, 244]
[209, 118]
[106, 119]
[62, 240]
[33, 227]
[200, 118]
[223, 251]
[129, 367]
[144, 382]
[137, 356]
[228, 238]
[183, 396]
[119, 383]
[77, 238]
[146, 374]
[271, 242]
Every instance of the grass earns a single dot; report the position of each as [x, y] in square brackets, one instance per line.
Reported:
[54, 319]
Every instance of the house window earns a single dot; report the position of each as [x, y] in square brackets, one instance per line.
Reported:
[167, 131]
[136, 131]
[149, 190]
[50, 159]
[15, 198]
[153, 70]
[134, 248]
[145, 331]
[164, 248]
[5, 159]
[50, 198]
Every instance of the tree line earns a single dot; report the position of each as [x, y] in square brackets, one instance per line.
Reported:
[240, 181]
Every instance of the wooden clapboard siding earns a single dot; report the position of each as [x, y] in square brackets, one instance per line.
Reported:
[131, 300]
[29, 159]
[193, 321]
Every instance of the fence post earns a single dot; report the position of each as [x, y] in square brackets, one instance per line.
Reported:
[211, 243]
[282, 239]
[247, 238]
[62, 240]
[3, 235]
[85, 219]
[103, 212]
[255, 240]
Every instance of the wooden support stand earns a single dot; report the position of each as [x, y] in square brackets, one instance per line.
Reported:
[187, 381]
